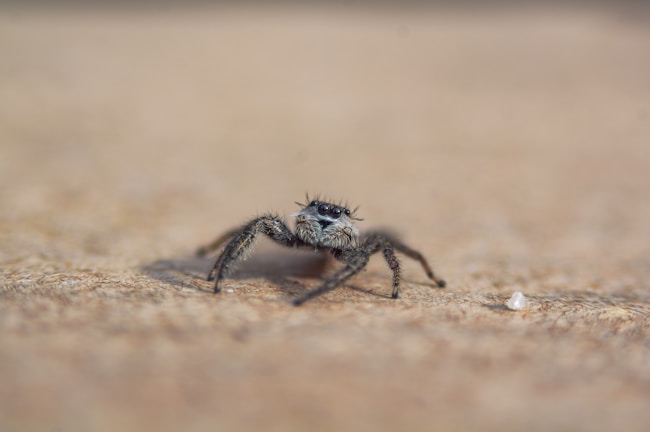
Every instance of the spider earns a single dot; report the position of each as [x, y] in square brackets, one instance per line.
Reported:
[325, 227]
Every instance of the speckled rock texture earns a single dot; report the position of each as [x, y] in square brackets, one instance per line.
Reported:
[512, 147]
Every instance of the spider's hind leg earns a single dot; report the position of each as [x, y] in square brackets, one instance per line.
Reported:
[242, 242]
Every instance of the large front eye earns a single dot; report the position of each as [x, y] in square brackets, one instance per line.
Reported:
[314, 203]
[323, 209]
[335, 212]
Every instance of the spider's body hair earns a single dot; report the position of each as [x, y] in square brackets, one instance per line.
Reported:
[325, 227]
[324, 231]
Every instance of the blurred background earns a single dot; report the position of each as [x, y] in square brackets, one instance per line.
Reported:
[200, 116]
[495, 137]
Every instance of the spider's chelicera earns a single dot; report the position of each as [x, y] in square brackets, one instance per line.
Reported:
[325, 227]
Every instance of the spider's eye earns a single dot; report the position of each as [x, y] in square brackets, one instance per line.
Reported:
[335, 212]
[347, 212]
[313, 203]
[323, 209]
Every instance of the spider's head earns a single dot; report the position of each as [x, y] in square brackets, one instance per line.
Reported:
[326, 213]
[326, 225]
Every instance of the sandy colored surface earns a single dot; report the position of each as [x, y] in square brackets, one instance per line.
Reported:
[513, 149]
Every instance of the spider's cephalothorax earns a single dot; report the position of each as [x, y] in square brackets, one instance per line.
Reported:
[325, 227]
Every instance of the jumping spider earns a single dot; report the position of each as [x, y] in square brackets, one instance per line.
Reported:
[326, 227]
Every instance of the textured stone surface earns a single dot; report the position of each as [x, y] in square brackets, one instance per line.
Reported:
[510, 147]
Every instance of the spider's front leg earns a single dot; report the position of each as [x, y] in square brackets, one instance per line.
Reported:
[355, 259]
[242, 241]
[377, 240]
[399, 246]
[373, 243]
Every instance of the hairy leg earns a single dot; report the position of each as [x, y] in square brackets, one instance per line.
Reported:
[242, 241]
[375, 242]
[355, 260]
[393, 263]
[409, 252]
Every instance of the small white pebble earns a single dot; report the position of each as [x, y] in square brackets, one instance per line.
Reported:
[230, 290]
[517, 301]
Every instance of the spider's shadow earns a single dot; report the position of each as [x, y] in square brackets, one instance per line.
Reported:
[277, 265]
[272, 264]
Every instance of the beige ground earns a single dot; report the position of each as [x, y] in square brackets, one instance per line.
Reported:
[512, 148]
